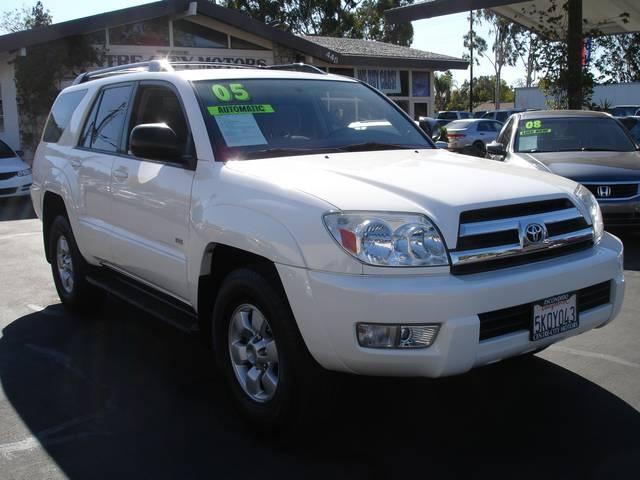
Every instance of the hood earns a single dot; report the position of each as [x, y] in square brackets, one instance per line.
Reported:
[437, 183]
[591, 166]
[12, 164]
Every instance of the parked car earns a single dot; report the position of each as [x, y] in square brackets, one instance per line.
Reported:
[591, 148]
[479, 113]
[15, 174]
[501, 115]
[452, 115]
[633, 125]
[472, 136]
[298, 236]
[624, 110]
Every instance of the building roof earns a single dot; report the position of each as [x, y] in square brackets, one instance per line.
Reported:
[331, 50]
[356, 51]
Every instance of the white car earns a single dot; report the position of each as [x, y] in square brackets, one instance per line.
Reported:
[303, 223]
[15, 174]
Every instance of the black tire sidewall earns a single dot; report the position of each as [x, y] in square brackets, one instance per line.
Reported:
[82, 294]
[250, 287]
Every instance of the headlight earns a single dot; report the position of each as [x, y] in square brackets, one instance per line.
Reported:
[388, 240]
[24, 173]
[590, 208]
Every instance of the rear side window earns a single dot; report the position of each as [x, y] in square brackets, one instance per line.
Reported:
[61, 113]
[103, 130]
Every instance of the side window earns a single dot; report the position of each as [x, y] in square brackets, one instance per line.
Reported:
[483, 127]
[61, 113]
[505, 135]
[157, 104]
[497, 126]
[103, 130]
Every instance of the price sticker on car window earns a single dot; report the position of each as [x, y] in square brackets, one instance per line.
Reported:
[534, 127]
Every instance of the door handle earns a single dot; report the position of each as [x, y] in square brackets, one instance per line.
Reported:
[121, 174]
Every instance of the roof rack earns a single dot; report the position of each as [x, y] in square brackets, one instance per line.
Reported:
[166, 66]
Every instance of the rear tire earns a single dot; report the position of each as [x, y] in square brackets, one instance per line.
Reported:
[479, 149]
[271, 375]
[69, 269]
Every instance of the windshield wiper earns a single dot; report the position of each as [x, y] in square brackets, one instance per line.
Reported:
[283, 152]
[368, 146]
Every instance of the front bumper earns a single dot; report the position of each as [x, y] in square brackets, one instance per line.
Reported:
[622, 213]
[15, 186]
[327, 307]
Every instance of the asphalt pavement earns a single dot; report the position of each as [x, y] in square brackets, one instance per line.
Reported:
[121, 395]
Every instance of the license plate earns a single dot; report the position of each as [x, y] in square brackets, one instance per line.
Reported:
[553, 316]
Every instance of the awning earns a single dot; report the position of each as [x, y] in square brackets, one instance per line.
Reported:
[608, 16]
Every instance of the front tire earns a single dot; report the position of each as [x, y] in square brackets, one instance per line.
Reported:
[69, 269]
[271, 375]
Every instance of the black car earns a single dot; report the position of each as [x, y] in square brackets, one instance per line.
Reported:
[633, 125]
[592, 148]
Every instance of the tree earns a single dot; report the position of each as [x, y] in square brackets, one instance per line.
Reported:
[528, 46]
[443, 84]
[340, 18]
[371, 23]
[618, 58]
[60, 59]
[23, 18]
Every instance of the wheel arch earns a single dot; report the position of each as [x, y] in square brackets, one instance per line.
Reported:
[52, 206]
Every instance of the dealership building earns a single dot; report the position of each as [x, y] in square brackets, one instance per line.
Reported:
[202, 31]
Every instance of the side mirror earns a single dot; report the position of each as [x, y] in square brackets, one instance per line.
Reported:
[441, 144]
[155, 141]
[496, 149]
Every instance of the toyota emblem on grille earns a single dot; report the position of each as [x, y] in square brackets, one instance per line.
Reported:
[604, 191]
[534, 233]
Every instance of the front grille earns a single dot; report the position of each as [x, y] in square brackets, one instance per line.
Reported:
[514, 319]
[7, 191]
[7, 175]
[495, 237]
[622, 190]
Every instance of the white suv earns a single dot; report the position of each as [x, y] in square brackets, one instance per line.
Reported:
[302, 223]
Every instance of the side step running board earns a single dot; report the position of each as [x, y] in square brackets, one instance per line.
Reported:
[146, 298]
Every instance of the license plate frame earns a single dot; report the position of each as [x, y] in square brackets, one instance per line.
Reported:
[553, 316]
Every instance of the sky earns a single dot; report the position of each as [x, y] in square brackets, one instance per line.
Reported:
[440, 35]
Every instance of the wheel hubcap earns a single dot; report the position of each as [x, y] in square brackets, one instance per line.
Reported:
[64, 263]
[253, 353]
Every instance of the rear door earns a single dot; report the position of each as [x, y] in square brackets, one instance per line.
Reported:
[151, 198]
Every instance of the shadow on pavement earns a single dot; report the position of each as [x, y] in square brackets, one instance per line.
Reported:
[631, 240]
[16, 208]
[121, 396]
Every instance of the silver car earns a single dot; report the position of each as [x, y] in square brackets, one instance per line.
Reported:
[471, 136]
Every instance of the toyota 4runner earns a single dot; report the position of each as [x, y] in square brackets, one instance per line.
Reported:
[301, 222]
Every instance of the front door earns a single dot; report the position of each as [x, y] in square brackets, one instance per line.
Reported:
[151, 199]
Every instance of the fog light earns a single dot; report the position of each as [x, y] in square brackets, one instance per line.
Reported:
[396, 336]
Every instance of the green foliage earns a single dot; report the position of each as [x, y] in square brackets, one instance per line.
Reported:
[340, 18]
[483, 91]
[618, 59]
[443, 84]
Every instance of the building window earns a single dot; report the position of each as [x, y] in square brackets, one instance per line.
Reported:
[403, 104]
[189, 34]
[420, 109]
[152, 33]
[240, 44]
[420, 84]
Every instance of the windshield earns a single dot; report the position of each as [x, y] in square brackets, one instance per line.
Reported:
[572, 134]
[624, 111]
[259, 118]
[5, 151]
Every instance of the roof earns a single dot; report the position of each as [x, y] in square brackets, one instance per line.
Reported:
[356, 51]
[562, 113]
[80, 26]
[608, 16]
[331, 50]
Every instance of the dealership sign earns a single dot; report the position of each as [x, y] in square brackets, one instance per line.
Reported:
[116, 56]
[387, 81]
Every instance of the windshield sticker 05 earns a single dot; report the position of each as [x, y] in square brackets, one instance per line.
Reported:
[239, 109]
